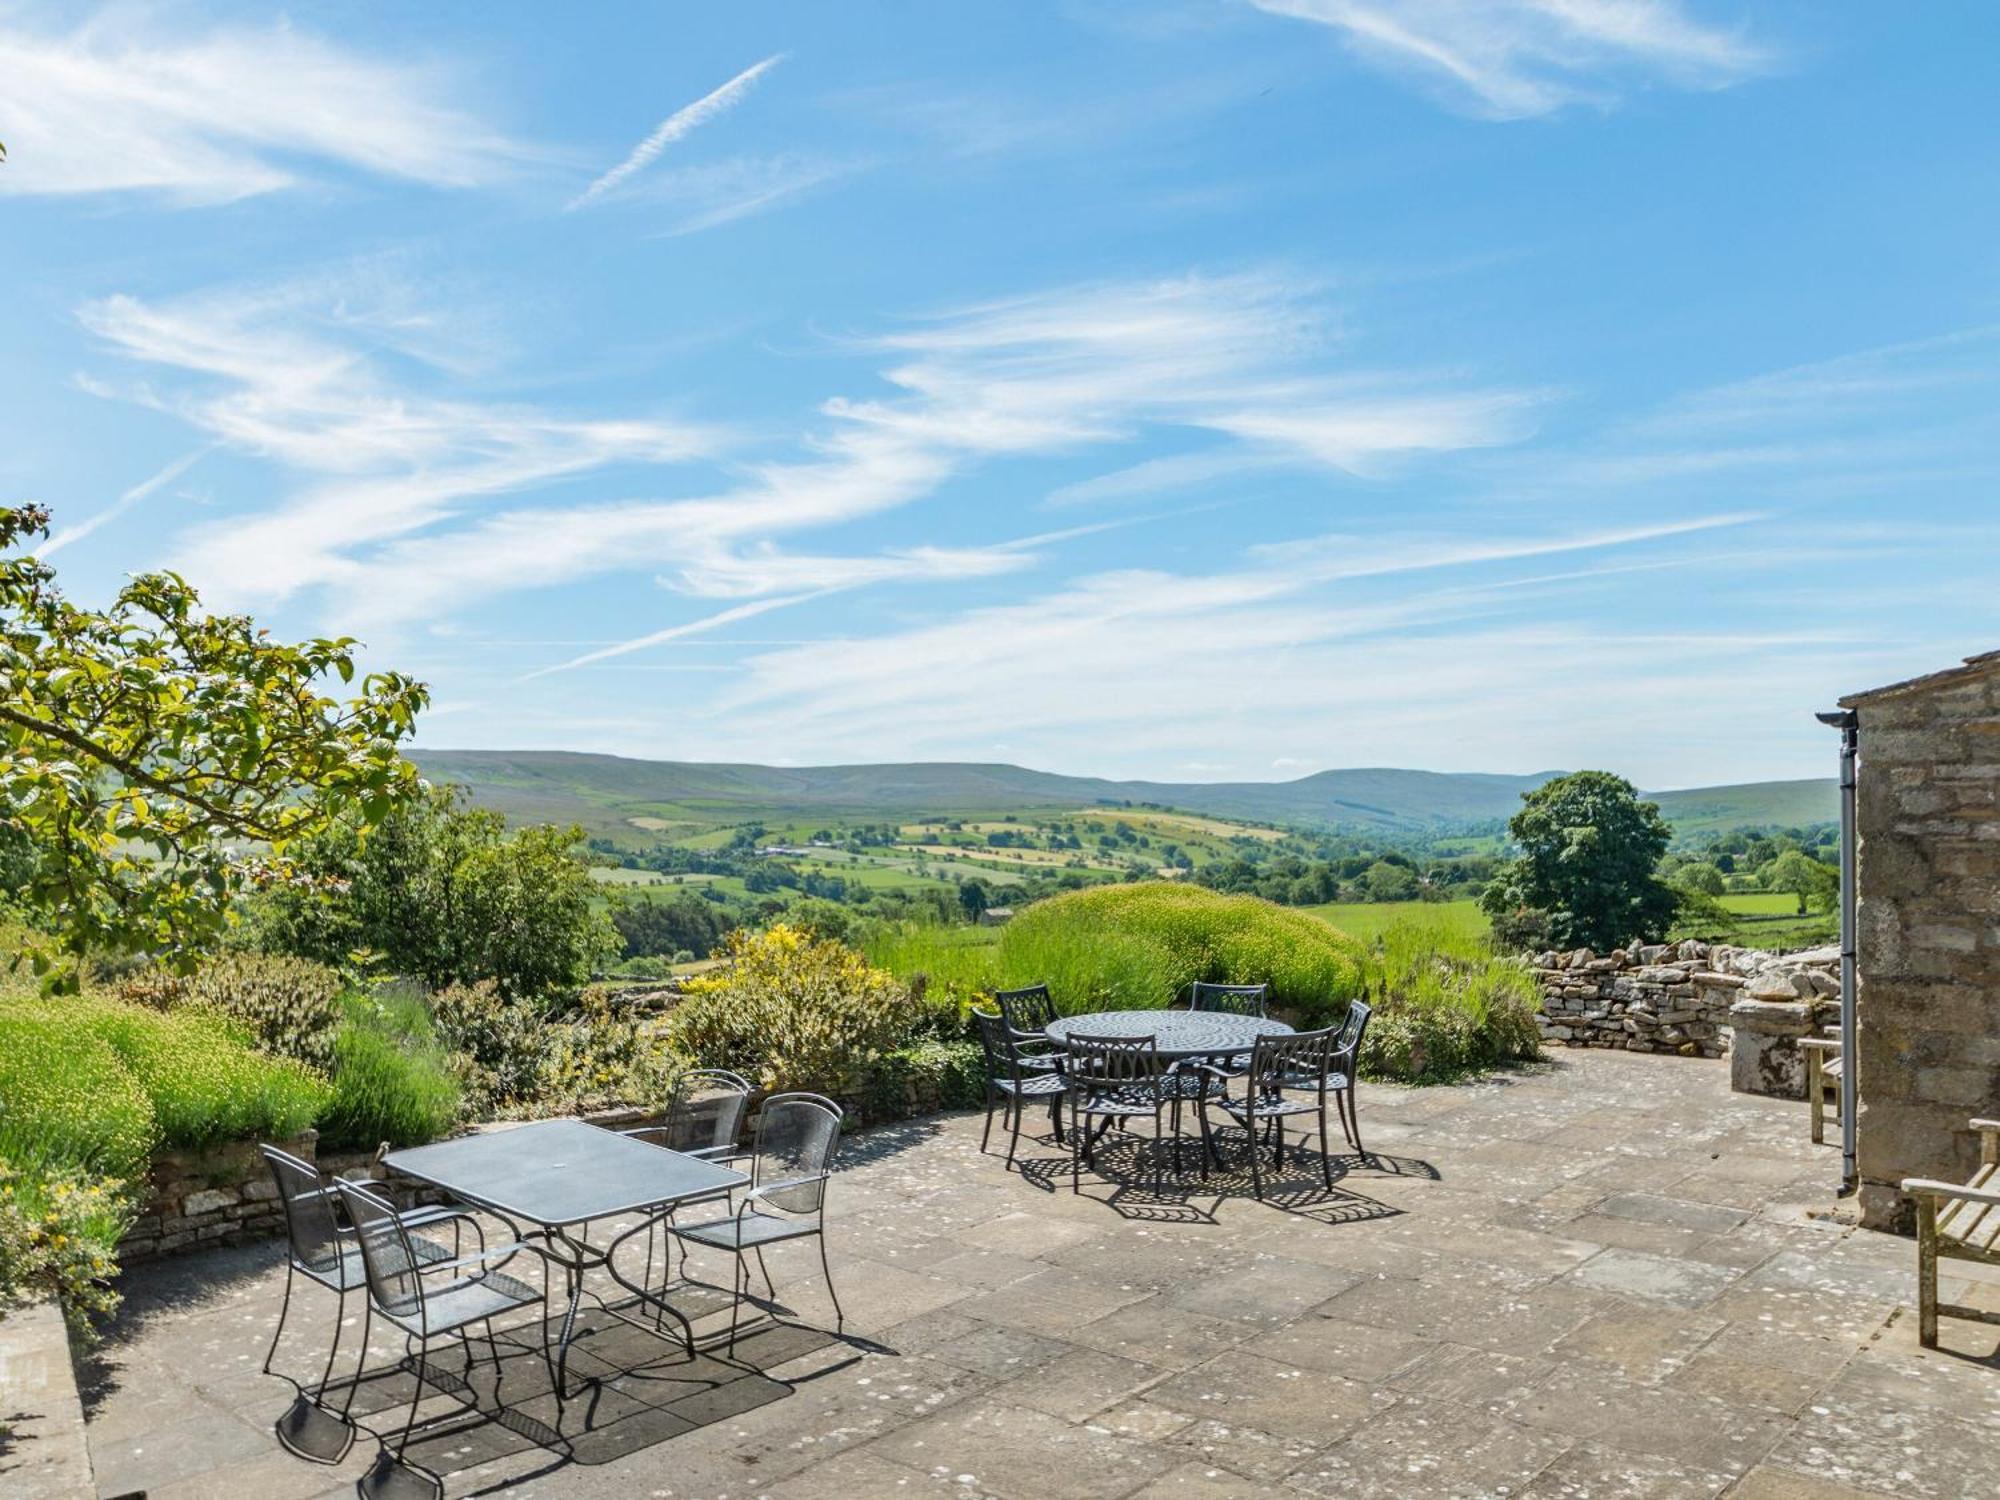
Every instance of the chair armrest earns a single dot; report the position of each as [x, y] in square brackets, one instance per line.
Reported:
[1986, 1127]
[1959, 1190]
[1194, 1065]
[765, 1189]
[500, 1253]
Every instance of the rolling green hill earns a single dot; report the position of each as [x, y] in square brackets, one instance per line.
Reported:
[673, 799]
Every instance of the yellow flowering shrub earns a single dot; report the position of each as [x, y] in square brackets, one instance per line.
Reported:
[59, 1236]
[792, 1011]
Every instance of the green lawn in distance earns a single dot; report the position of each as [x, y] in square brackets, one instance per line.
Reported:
[1367, 920]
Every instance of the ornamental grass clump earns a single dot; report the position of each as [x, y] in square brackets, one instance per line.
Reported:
[1119, 947]
[790, 1011]
[391, 1078]
[67, 1100]
[1448, 1005]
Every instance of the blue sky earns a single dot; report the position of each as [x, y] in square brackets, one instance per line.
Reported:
[1197, 390]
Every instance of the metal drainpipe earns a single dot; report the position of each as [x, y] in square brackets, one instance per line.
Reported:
[1848, 722]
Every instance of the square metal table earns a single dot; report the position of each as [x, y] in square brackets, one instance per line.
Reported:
[560, 1176]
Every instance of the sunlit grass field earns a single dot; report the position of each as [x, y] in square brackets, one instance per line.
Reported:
[1367, 920]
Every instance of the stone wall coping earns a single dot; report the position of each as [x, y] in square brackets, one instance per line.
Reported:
[49, 1457]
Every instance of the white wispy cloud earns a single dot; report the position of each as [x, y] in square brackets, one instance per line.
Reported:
[1513, 59]
[405, 507]
[69, 536]
[677, 126]
[125, 104]
[373, 458]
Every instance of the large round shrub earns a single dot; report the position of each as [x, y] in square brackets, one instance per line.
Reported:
[1118, 947]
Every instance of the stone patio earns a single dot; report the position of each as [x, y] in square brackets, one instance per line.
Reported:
[1605, 1276]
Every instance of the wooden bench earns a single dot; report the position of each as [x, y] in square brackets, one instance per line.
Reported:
[1958, 1221]
[1825, 1062]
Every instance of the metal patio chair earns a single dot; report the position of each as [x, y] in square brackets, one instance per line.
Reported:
[704, 1118]
[791, 1161]
[322, 1249]
[1295, 1075]
[477, 1291]
[1111, 1079]
[1028, 1012]
[1235, 1000]
[1012, 1082]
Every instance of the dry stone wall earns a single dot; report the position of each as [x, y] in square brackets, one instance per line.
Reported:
[1673, 997]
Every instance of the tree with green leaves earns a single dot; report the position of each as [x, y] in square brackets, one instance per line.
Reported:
[154, 758]
[1703, 879]
[1585, 875]
[441, 892]
[1815, 885]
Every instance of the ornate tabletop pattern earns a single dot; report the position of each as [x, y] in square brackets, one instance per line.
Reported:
[1179, 1033]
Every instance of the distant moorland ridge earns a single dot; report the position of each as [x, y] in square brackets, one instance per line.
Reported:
[604, 792]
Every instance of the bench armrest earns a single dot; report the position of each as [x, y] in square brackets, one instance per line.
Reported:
[1818, 1044]
[1956, 1190]
[1986, 1126]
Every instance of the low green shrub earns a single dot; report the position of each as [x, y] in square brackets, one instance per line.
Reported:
[291, 1005]
[792, 1011]
[957, 1069]
[496, 1045]
[206, 1081]
[1447, 1004]
[66, 1098]
[391, 1078]
[597, 1055]
[1139, 946]
[59, 1234]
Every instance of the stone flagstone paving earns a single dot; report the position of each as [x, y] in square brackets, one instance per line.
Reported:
[1606, 1277]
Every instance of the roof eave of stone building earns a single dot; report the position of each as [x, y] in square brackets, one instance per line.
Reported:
[1984, 664]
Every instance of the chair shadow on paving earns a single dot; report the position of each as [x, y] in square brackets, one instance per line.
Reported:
[642, 1391]
[1124, 1166]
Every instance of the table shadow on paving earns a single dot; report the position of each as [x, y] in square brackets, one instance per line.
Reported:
[641, 1391]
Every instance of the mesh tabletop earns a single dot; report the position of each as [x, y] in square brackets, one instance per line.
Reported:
[557, 1172]
[1178, 1033]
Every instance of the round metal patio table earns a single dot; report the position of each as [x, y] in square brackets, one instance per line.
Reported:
[1177, 1033]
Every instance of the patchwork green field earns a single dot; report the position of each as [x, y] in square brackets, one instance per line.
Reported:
[1368, 920]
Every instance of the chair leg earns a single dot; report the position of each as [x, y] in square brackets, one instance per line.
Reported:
[326, 1374]
[769, 1285]
[416, 1398]
[1256, 1169]
[1014, 1136]
[1354, 1122]
[361, 1362]
[1159, 1154]
[1326, 1146]
[1816, 1095]
[284, 1311]
[1079, 1142]
[1207, 1138]
[987, 1134]
[839, 1317]
[739, 1286]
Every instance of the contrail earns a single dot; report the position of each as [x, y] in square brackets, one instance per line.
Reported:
[675, 126]
[119, 506]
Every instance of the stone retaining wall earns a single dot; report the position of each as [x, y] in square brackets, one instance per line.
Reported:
[1672, 997]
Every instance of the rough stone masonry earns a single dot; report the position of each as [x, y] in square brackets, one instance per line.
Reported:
[1677, 997]
[1928, 945]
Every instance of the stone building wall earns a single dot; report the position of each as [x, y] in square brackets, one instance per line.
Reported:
[1928, 945]
[1673, 998]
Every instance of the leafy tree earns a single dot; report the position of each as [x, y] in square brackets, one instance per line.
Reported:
[142, 745]
[1584, 877]
[441, 892]
[1813, 883]
[1702, 879]
[974, 896]
[1390, 882]
[655, 928]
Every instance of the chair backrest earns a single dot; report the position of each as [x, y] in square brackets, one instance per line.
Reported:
[797, 1135]
[310, 1226]
[1353, 1026]
[1300, 1060]
[1028, 1010]
[705, 1110]
[996, 1039]
[386, 1258]
[1100, 1062]
[1236, 999]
